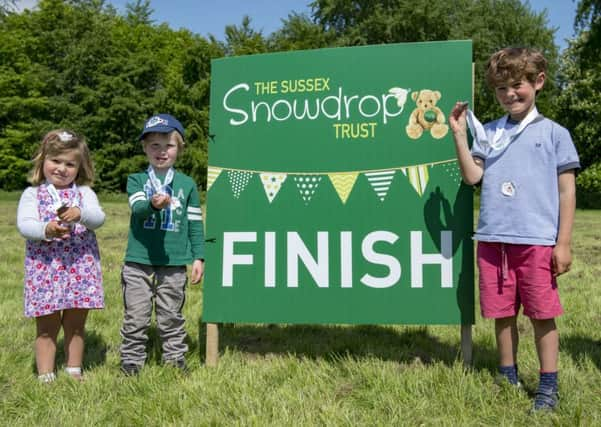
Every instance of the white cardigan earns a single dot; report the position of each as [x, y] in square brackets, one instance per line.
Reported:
[33, 228]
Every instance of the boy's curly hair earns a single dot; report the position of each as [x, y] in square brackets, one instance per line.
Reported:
[513, 64]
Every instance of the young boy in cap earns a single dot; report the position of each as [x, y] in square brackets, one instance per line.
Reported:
[165, 234]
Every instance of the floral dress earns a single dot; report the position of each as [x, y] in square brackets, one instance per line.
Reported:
[62, 274]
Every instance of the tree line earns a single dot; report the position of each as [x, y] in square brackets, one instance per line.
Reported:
[82, 65]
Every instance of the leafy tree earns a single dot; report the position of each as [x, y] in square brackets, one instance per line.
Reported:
[139, 12]
[588, 20]
[6, 6]
[300, 32]
[578, 104]
[78, 64]
[243, 39]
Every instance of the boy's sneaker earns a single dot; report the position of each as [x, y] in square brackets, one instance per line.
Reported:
[508, 374]
[130, 369]
[545, 401]
[546, 397]
[179, 364]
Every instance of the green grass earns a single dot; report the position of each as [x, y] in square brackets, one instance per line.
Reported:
[297, 375]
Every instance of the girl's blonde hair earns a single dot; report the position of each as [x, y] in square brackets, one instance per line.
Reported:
[513, 64]
[57, 142]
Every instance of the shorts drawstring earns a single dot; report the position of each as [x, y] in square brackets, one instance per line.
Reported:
[504, 265]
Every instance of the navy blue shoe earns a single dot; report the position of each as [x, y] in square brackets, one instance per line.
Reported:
[545, 401]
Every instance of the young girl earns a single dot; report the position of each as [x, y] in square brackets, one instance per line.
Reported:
[62, 264]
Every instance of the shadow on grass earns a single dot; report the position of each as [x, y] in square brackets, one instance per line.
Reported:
[330, 342]
[581, 347]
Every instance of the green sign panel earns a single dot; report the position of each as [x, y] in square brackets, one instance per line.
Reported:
[334, 195]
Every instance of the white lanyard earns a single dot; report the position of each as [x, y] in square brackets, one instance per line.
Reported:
[501, 139]
[56, 198]
[156, 183]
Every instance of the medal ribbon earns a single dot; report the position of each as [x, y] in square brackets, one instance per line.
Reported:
[500, 140]
[56, 198]
[156, 183]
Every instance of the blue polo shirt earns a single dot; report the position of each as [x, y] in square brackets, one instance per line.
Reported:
[520, 193]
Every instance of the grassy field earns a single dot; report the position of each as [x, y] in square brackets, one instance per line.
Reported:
[297, 375]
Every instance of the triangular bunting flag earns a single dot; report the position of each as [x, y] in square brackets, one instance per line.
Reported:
[418, 177]
[307, 184]
[380, 182]
[239, 180]
[212, 174]
[343, 183]
[272, 182]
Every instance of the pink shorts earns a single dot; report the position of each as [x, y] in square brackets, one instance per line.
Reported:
[513, 275]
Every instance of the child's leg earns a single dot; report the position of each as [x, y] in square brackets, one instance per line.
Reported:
[137, 283]
[74, 321]
[170, 297]
[506, 331]
[45, 342]
[499, 300]
[507, 340]
[546, 338]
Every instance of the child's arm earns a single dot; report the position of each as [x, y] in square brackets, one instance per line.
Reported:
[196, 234]
[198, 269]
[141, 207]
[30, 225]
[471, 167]
[562, 253]
[28, 222]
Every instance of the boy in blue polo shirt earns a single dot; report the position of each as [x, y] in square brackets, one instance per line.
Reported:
[165, 234]
[526, 164]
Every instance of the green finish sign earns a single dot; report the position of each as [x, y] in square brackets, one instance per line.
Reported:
[334, 194]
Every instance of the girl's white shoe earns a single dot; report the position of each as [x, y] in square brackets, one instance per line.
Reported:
[74, 372]
[46, 378]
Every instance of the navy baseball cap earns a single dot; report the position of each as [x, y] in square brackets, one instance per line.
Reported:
[162, 123]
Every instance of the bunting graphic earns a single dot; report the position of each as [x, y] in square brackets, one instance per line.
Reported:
[272, 183]
[380, 182]
[239, 181]
[212, 174]
[343, 183]
[307, 184]
[418, 177]
[452, 169]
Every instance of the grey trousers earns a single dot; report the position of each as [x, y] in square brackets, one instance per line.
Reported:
[143, 286]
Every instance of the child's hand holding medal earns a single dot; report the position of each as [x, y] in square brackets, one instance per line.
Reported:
[160, 200]
[68, 214]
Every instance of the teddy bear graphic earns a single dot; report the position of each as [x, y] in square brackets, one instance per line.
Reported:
[426, 115]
